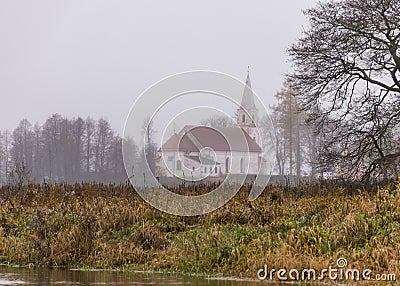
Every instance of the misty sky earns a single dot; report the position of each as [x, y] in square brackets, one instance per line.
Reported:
[93, 58]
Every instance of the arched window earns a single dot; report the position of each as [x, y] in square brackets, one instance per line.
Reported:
[216, 169]
[227, 165]
[205, 169]
[243, 118]
[241, 166]
[179, 165]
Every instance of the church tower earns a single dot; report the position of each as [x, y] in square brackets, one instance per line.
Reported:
[247, 113]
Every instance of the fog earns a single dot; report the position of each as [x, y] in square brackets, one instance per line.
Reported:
[93, 58]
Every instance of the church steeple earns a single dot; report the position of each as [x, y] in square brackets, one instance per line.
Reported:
[247, 113]
[248, 96]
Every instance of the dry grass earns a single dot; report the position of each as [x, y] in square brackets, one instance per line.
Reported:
[110, 226]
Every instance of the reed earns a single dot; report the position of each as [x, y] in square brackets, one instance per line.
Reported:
[110, 226]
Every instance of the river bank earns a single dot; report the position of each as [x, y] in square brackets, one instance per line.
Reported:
[108, 226]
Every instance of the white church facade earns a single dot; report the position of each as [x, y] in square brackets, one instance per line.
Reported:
[205, 151]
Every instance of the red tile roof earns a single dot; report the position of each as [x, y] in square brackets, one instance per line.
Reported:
[216, 138]
[174, 144]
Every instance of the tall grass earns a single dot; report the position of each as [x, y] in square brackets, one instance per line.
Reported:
[110, 226]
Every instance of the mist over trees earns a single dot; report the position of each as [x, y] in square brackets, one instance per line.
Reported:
[338, 113]
[287, 138]
[63, 150]
[347, 76]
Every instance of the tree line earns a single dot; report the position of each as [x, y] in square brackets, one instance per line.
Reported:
[338, 113]
[63, 150]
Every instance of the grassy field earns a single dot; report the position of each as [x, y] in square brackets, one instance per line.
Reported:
[100, 226]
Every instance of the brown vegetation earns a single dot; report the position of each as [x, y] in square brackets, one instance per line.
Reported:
[110, 226]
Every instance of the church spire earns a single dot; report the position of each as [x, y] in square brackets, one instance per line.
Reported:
[248, 96]
[247, 113]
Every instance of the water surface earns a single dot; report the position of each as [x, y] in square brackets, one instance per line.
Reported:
[44, 276]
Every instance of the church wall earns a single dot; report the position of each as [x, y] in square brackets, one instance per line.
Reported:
[250, 161]
[169, 166]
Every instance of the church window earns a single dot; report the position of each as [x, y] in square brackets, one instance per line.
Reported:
[243, 118]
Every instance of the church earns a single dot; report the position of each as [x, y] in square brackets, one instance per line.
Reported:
[199, 152]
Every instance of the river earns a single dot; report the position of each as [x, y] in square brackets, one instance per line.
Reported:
[57, 276]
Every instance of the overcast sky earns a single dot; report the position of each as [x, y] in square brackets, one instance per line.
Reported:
[93, 58]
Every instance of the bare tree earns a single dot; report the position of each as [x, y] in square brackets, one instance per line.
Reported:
[1, 158]
[51, 141]
[312, 141]
[132, 157]
[150, 150]
[290, 131]
[6, 149]
[63, 150]
[219, 121]
[19, 175]
[272, 141]
[348, 66]
[103, 141]
[37, 167]
[78, 128]
[88, 145]
[22, 144]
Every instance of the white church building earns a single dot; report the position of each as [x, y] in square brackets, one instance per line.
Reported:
[200, 152]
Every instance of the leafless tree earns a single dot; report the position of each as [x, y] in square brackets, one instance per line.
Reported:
[51, 145]
[37, 167]
[272, 141]
[88, 145]
[1, 158]
[290, 132]
[347, 65]
[4, 156]
[103, 141]
[150, 150]
[19, 175]
[6, 152]
[63, 150]
[77, 130]
[132, 157]
[219, 121]
[21, 147]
